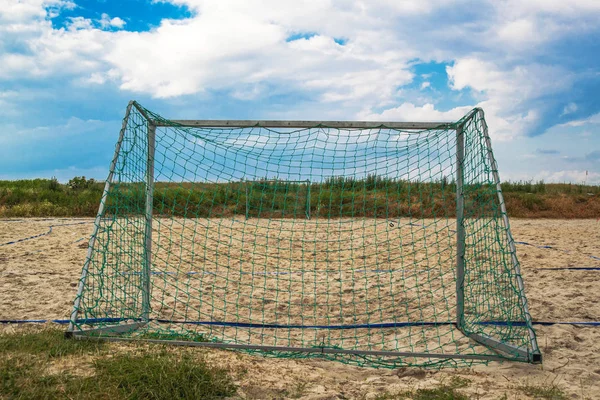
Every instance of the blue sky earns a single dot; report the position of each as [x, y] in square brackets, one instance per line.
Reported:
[69, 67]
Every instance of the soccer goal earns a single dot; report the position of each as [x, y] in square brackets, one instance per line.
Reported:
[382, 244]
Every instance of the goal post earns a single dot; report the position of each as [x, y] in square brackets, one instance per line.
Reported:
[149, 207]
[355, 249]
[460, 228]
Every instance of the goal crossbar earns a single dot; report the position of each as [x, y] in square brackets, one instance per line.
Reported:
[306, 124]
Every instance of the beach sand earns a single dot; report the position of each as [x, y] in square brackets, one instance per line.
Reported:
[39, 277]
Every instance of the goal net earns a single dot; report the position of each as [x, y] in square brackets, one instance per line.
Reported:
[377, 244]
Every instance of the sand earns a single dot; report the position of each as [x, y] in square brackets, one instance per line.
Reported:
[38, 280]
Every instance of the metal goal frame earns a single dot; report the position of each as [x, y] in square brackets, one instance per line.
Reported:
[110, 333]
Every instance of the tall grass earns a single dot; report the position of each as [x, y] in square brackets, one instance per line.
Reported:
[372, 196]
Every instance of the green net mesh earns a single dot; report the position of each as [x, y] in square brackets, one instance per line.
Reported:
[317, 242]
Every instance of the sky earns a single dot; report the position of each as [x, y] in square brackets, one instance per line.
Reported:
[68, 68]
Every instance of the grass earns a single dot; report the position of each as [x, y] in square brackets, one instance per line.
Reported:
[44, 365]
[451, 391]
[445, 391]
[173, 336]
[46, 344]
[335, 197]
[543, 392]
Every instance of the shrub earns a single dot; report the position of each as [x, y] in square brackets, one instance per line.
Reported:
[80, 182]
[54, 185]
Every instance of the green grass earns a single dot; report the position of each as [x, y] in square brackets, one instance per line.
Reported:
[44, 365]
[543, 392]
[445, 391]
[174, 336]
[441, 392]
[451, 391]
[47, 344]
[335, 197]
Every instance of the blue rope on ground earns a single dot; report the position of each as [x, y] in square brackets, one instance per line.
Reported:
[266, 273]
[392, 223]
[376, 271]
[367, 326]
[60, 321]
[28, 238]
[569, 268]
[44, 234]
[278, 326]
[554, 248]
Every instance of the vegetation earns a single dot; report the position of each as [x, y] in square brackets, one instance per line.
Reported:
[445, 391]
[549, 392]
[373, 196]
[451, 390]
[42, 364]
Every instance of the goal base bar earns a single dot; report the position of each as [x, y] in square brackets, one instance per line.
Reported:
[112, 329]
[522, 354]
[496, 345]
[84, 335]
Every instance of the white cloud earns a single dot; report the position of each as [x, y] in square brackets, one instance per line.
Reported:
[23, 11]
[73, 127]
[591, 120]
[576, 176]
[524, 25]
[43, 51]
[240, 48]
[522, 81]
[503, 94]
[557, 7]
[569, 109]
[507, 94]
[233, 50]
[107, 22]
[425, 113]
[62, 174]
[80, 23]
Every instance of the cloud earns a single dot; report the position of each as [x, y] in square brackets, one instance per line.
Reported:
[576, 176]
[62, 174]
[591, 120]
[236, 46]
[347, 59]
[250, 52]
[547, 151]
[74, 144]
[593, 156]
[425, 113]
[247, 43]
[106, 22]
[518, 99]
[569, 109]
[26, 10]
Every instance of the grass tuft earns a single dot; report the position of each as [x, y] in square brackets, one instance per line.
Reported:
[445, 391]
[44, 365]
[199, 337]
[49, 343]
[163, 375]
[545, 392]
